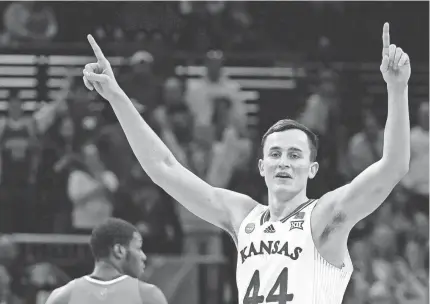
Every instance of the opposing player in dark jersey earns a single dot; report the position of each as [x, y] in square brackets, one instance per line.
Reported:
[119, 262]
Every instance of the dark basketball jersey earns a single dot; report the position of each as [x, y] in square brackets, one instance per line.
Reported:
[16, 152]
[123, 290]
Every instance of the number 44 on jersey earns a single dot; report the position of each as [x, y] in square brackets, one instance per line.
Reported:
[252, 297]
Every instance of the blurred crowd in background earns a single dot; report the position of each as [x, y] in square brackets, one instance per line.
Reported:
[67, 166]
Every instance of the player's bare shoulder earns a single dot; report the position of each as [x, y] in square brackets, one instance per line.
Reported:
[61, 295]
[151, 294]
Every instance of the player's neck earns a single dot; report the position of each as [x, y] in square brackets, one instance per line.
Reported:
[105, 271]
[280, 207]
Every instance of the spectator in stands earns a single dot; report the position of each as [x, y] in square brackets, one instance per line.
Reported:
[107, 27]
[222, 117]
[174, 121]
[202, 26]
[321, 115]
[18, 157]
[320, 105]
[56, 131]
[91, 189]
[415, 254]
[411, 287]
[379, 293]
[54, 207]
[202, 93]
[30, 21]
[84, 109]
[153, 212]
[417, 179]
[243, 35]
[357, 290]
[173, 92]
[11, 268]
[361, 255]
[177, 132]
[421, 221]
[231, 150]
[384, 243]
[401, 220]
[365, 147]
[113, 143]
[6, 295]
[41, 278]
[141, 83]
[215, 24]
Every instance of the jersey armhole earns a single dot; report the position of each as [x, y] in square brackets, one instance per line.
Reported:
[347, 263]
[254, 211]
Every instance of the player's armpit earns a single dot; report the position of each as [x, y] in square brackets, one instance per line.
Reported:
[223, 208]
[365, 193]
[338, 211]
[151, 294]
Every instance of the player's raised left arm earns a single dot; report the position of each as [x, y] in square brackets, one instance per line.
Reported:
[370, 188]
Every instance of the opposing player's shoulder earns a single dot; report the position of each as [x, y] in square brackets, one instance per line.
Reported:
[151, 294]
[61, 295]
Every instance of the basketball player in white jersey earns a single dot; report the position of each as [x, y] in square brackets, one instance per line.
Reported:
[295, 250]
[119, 261]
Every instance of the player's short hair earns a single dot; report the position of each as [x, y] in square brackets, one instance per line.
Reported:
[109, 233]
[289, 124]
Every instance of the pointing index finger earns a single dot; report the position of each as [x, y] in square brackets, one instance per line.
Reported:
[97, 50]
[386, 38]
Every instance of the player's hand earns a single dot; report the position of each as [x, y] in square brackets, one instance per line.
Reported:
[99, 75]
[395, 66]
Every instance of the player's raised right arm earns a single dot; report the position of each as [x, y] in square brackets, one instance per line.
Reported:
[223, 208]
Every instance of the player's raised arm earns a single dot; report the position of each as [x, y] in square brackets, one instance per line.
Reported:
[370, 188]
[220, 207]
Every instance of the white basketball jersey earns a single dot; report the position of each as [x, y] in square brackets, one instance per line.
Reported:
[279, 263]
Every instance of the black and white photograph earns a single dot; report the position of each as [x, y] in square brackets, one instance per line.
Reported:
[214, 152]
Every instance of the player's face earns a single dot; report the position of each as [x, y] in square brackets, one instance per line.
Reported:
[135, 261]
[286, 164]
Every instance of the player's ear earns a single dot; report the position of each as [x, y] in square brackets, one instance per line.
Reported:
[118, 251]
[313, 169]
[261, 167]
